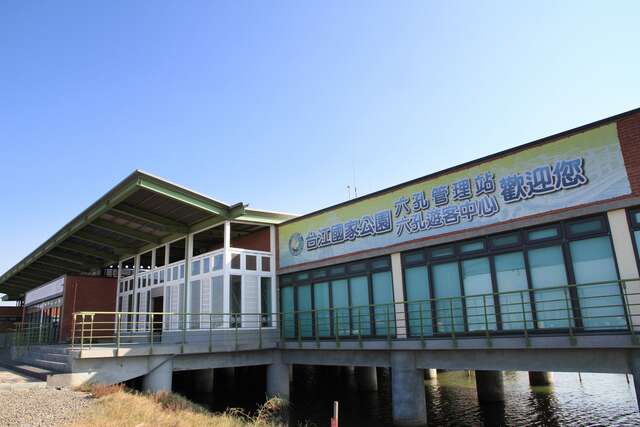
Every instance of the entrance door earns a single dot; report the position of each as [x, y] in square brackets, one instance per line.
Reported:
[157, 307]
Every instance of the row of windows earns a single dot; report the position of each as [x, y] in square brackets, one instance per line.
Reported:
[330, 292]
[501, 282]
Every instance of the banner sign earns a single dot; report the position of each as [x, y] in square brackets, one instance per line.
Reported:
[579, 169]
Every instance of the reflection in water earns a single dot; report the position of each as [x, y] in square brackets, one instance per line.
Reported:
[599, 399]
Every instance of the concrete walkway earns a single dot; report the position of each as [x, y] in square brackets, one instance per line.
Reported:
[11, 381]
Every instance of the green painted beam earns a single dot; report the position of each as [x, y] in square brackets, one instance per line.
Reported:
[67, 266]
[164, 223]
[75, 260]
[125, 231]
[74, 247]
[183, 196]
[104, 241]
[49, 269]
[37, 275]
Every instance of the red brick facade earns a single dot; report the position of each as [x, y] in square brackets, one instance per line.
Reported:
[85, 293]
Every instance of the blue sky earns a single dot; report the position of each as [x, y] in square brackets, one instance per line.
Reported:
[278, 103]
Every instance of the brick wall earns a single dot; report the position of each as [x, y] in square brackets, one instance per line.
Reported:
[629, 135]
[84, 293]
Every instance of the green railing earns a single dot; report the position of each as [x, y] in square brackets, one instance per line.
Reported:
[611, 306]
[37, 333]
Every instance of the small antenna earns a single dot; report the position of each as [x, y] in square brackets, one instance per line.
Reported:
[349, 192]
[355, 189]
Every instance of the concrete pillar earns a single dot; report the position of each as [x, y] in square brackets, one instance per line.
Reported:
[278, 377]
[407, 390]
[634, 367]
[159, 378]
[626, 260]
[489, 386]
[366, 378]
[398, 294]
[202, 380]
[537, 378]
[430, 374]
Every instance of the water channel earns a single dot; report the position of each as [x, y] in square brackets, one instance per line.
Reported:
[586, 399]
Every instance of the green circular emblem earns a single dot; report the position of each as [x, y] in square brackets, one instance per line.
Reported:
[296, 244]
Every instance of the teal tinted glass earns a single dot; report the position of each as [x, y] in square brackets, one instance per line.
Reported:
[478, 291]
[414, 257]
[553, 306]
[478, 245]
[600, 304]
[322, 313]
[442, 252]
[446, 283]
[265, 301]
[585, 227]
[508, 240]
[416, 281]
[545, 233]
[384, 311]
[360, 317]
[288, 320]
[340, 300]
[511, 278]
[305, 322]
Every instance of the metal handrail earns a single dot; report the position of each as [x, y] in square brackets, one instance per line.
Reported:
[565, 308]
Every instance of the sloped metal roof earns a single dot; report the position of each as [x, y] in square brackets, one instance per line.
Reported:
[141, 212]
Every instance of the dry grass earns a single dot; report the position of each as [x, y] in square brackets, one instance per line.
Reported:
[118, 407]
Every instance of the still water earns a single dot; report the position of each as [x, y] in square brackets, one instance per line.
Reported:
[595, 399]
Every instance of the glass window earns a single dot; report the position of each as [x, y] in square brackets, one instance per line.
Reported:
[266, 263]
[340, 295]
[337, 270]
[195, 268]
[235, 261]
[358, 267]
[549, 280]
[442, 252]
[360, 318]
[160, 256]
[236, 300]
[217, 262]
[505, 240]
[182, 271]
[206, 264]
[542, 234]
[305, 319]
[414, 257]
[161, 276]
[478, 245]
[416, 281]
[302, 276]
[250, 262]
[384, 311]
[265, 300]
[601, 304]
[194, 307]
[478, 291]
[316, 274]
[511, 278]
[217, 301]
[155, 278]
[175, 273]
[446, 284]
[586, 227]
[323, 316]
[288, 320]
[380, 263]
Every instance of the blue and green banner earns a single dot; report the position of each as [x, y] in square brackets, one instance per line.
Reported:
[576, 170]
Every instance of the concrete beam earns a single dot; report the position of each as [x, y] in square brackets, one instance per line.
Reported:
[407, 391]
[490, 386]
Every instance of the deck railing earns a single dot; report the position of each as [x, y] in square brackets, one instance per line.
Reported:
[570, 310]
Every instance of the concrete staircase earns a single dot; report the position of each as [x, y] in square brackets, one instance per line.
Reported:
[53, 358]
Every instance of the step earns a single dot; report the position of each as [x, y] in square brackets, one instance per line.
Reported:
[26, 369]
[54, 357]
[57, 367]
